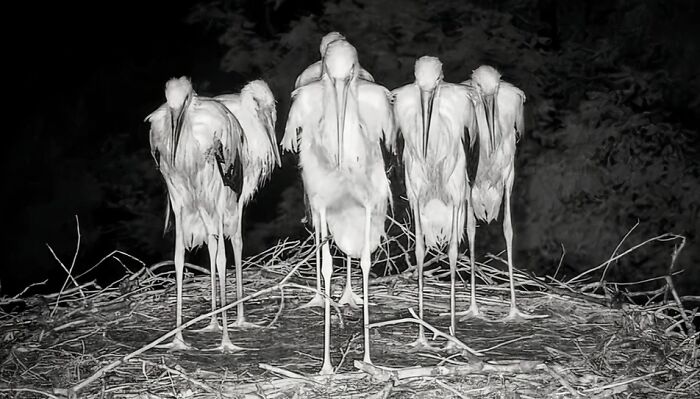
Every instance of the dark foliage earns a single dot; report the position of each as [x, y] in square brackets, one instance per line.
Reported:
[611, 125]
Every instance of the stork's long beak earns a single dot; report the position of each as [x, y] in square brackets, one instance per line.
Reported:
[176, 126]
[426, 105]
[270, 129]
[491, 108]
[340, 95]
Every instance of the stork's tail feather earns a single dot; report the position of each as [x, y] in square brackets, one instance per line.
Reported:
[436, 218]
[347, 223]
[487, 202]
[167, 225]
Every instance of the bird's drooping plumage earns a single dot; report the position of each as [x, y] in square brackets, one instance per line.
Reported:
[256, 112]
[341, 121]
[314, 71]
[436, 121]
[254, 109]
[501, 116]
[196, 143]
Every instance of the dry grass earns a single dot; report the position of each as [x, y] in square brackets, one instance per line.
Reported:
[91, 341]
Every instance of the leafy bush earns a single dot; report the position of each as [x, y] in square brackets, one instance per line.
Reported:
[603, 147]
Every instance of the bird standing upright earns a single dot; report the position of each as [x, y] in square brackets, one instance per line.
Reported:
[341, 120]
[196, 144]
[493, 181]
[314, 73]
[436, 121]
[254, 108]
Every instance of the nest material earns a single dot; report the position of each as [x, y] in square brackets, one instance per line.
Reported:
[99, 342]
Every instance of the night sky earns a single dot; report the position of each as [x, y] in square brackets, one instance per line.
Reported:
[85, 74]
[80, 77]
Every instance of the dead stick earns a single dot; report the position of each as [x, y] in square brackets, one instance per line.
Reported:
[435, 331]
[624, 382]
[562, 380]
[662, 237]
[617, 248]
[521, 366]
[194, 381]
[287, 373]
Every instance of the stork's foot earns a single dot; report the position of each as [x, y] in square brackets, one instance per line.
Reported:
[227, 346]
[316, 301]
[350, 298]
[244, 325]
[327, 369]
[516, 315]
[177, 344]
[422, 345]
[472, 313]
[213, 326]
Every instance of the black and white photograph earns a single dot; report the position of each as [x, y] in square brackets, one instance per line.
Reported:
[352, 199]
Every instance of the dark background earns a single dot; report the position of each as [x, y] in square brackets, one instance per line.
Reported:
[611, 135]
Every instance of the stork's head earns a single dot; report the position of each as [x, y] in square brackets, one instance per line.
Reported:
[428, 71]
[340, 60]
[488, 80]
[178, 93]
[341, 68]
[328, 39]
[259, 95]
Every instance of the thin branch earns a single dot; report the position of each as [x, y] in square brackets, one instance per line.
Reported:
[662, 237]
[624, 382]
[617, 248]
[436, 332]
[561, 260]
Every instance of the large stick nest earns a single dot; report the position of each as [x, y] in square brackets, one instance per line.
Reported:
[90, 341]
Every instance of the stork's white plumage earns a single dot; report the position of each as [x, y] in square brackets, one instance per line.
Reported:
[503, 117]
[436, 121]
[254, 108]
[341, 120]
[196, 144]
[313, 73]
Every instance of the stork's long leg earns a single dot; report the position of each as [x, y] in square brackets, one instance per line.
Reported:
[237, 244]
[178, 342]
[473, 310]
[327, 270]
[317, 300]
[452, 256]
[420, 343]
[515, 313]
[365, 264]
[226, 344]
[211, 247]
[349, 297]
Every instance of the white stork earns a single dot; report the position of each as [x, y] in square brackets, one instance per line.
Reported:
[311, 74]
[341, 120]
[503, 111]
[196, 143]
[436, 120]
[254, 108]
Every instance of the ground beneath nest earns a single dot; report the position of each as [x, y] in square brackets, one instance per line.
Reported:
[583, 349]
